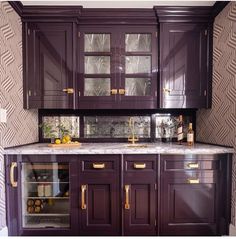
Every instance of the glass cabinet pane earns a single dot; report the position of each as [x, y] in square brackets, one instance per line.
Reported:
[137, 86]
[97, 64]
[97, 87]
[97, 42]
[138, 42]
[45, 195]
[137, 64]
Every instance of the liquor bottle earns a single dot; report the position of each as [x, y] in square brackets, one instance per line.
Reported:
[190, 135]
[180, 135]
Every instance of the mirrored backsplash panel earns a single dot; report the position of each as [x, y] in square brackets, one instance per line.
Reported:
[82, 126]
[116, 127]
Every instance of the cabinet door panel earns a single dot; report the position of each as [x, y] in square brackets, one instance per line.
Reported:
[50, 65]
[183, 65]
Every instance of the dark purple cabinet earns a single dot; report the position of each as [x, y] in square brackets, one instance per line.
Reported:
[184, 65]
[99, 186]
[191, 196]
[117, 67]
[48, 65]
[139, 195]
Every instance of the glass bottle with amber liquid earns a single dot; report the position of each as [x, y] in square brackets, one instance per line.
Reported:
[190, 135]
[180, 135]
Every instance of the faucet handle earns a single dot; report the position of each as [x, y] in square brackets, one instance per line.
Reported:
[133, 139]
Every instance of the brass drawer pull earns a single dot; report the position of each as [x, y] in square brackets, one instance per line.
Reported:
[83, 204]
[99, 165]
[114, 92]
[121, 91]
[68, 90]
[139, 165]
[12, 168]
[193, 181]
[127, 205]
[193, 165]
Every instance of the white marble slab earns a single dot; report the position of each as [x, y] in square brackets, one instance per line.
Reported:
[121, 148]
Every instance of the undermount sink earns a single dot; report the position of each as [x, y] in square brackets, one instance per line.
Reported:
[136, 145]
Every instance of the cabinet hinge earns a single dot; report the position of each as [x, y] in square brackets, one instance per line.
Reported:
[205, 92]
[79, 34]
[206, 32]
[28, 31]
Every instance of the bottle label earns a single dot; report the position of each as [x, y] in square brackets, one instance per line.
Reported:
[189, 137]
[180, 136]
[180, 130]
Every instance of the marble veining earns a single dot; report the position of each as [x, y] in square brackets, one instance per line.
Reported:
[120, 148]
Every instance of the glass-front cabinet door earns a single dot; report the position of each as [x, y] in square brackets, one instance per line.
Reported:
[138, 85]
[97, 79]
[46, 196]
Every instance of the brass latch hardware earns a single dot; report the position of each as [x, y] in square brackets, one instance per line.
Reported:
[83, 204]
[193, 165]
[166, 90]
[139, 165]
[114, 91]
[12, 180]
[127, 205]
[68, 90]
[193, 181]
[121, 91]
[99, 165]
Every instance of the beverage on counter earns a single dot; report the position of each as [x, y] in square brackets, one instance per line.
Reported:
[180, 134]
[190, 135]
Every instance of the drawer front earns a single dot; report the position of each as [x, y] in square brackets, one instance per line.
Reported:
[140, 163]
[99, 164]
[176, 165]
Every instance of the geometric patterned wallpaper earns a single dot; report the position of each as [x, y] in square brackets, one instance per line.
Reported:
[22, 125]
[218, 125]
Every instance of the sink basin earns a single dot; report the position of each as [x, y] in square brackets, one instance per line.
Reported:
[136, 145]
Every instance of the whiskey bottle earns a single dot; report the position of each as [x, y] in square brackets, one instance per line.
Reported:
[180, 134]
[190, 135]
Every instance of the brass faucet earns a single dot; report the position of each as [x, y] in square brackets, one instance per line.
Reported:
[132, 138]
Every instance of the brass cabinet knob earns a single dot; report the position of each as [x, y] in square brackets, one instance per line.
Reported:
[68, 90]
[166, 90]
[121, 91]
[114, 91]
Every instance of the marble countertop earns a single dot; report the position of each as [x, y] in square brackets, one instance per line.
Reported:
[120, 148]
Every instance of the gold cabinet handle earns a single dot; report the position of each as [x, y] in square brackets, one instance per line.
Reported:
[166, 90]
[139, 165]
[127, 205]
[121, 91]
[193, 165]
[12, 168]
[83, 204]
[114, 92]
[99, 165]
[193, 181]
[68, 90]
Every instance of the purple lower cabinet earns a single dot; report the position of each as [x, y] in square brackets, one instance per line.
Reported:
[99, 208]
[139, 195]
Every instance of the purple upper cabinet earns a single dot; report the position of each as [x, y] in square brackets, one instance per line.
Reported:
[185, 57]
[49, 65]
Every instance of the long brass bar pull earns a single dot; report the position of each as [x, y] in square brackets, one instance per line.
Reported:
[99, 165]
[194, 181]
[12, 180]
[127, 205]
[193, 165]
[83, 190]
[139, 165]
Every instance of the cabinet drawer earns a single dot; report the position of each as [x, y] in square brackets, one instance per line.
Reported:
[176, 165]
[140, 163]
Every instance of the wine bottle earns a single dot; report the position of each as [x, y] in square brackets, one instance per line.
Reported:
[190, 135]
[180, 135]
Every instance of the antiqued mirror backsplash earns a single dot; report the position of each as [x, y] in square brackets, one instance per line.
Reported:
[146, 127]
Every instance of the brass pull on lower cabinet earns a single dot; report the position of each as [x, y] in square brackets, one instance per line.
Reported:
[139, 165]
[193, 165]
[166, 90]
[121, 91]
[193, 181]
[114, 92]
[12, 180]
[127, 188]
[99, 165]
[68, 90]
[83, 190]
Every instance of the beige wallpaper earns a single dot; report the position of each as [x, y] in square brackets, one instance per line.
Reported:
[21, 126]
[218, 125]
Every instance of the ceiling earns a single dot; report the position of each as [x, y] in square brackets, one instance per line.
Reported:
[120, 3]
